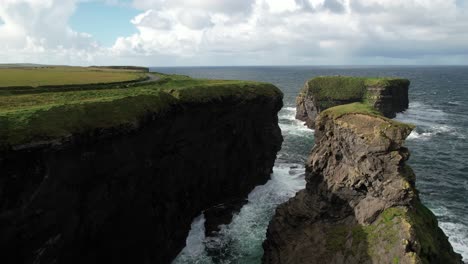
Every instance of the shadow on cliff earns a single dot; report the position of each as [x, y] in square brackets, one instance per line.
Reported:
[316, 226]
[343, 239]
[129, 195]
[346, 241]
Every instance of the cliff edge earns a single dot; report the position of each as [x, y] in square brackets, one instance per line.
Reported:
[360, 204]
[386, 95]
[117, 174]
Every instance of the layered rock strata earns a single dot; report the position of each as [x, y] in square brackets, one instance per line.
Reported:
[360, 204]
[387, 95]
[128, 194]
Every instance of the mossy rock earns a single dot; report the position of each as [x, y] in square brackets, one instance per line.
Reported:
[401, 234]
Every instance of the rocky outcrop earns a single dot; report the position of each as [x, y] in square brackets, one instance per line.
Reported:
[387, 95]
[128, 194]
[360, 204]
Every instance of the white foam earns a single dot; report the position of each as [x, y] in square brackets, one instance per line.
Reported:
[458, 237]
[296, 130]
[291, 116]
[429, 122]
[291, 126]
[454, 103]
[195, 247]
[290, 109]
[456, 232]
[421, 136]
[242, 239]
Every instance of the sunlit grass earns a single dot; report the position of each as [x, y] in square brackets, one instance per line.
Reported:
[44, 114]
[64, 76]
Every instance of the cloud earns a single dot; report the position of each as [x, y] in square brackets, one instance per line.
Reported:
[38, 29]
[225, 32]
[219, 6]
[299, 30]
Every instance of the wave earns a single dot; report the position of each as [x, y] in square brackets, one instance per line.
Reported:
[195, 248]
[454, 103]
[241, 240]
[429, 122]
[458, 237]
[290, 125]
[456, 232]
[425, 133]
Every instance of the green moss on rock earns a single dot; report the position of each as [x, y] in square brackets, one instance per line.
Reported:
[431, 242]
[411, 235]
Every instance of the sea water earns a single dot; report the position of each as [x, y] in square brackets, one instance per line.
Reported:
[439, 154]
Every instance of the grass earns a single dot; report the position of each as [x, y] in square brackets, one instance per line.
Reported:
[389, 126]
[43, 114]
[346, 88]
[35, 77]
[337, 88]
[353, 108]
[329, 91]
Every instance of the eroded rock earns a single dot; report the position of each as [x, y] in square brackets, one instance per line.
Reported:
[360, 204]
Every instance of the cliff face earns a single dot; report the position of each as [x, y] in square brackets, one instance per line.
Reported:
[360, 204]
[388, 96]
[128, 194]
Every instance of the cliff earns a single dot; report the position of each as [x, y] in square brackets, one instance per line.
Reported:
[387, 95]
[360, 204]
[117, 175]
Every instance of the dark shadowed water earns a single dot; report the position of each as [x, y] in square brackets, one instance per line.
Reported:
[439, 147]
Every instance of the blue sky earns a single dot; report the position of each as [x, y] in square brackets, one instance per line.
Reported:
[105, 22]
[234, 32]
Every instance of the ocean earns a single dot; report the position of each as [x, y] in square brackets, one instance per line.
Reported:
[439, 154]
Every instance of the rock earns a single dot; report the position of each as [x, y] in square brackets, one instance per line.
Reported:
[129, 194]
[387, 95]
[221, 214]
[360, 204]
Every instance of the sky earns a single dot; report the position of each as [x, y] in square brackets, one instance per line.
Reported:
[234, 32]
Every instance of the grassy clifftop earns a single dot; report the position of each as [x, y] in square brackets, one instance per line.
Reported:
[388, 95]
[362, 108]
[38, 76]
[43, 114]
[346, 87]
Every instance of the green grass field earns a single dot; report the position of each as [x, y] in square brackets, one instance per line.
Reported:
[64, 76]
[38, 114]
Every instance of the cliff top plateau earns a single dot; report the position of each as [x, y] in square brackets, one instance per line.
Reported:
[49, 112]
[386, 95]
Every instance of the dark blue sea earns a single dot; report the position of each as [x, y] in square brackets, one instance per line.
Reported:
[439, 148]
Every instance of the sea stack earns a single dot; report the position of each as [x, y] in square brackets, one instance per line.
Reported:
[360, 204]
[387, 95]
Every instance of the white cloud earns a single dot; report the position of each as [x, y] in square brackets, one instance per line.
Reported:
[224, 32]
[291, 31]
[36, 29]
